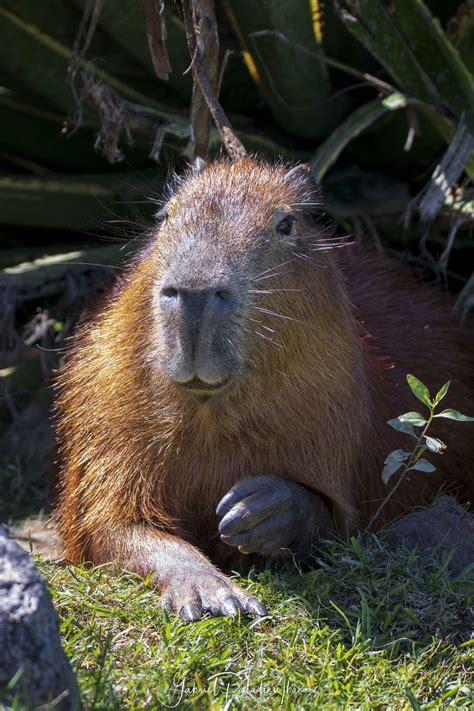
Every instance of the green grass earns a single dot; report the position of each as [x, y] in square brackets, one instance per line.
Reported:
[372, 628]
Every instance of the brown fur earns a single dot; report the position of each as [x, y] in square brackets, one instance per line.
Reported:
[139, 455]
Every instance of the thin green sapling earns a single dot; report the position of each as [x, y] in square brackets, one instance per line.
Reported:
[406, 461]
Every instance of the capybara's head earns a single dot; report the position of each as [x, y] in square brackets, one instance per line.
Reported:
[241, 249]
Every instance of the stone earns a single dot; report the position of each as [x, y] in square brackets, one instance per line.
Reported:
[29, 636]
[445, 526]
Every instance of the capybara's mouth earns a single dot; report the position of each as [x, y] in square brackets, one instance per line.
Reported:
[200, 387]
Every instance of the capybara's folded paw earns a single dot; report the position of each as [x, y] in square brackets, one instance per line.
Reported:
[265, 515]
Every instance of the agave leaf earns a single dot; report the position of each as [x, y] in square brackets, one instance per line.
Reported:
[438, 57]
[460, 32]
[124, 21]
[352, 126]
[370, 21]
[338, 42]
[279, 37]
[447, 128]
[422, 60]
[41, 61]
[36, 133]
[447, 172]
[69, 202]
[64, 29]
[465, 301]
[27, 269]
[411, 45]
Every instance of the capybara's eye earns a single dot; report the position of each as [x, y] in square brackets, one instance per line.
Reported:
[285, 226]
[161, 216]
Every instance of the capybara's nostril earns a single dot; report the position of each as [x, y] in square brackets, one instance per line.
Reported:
[200, 303]
[223, 295]
[169, 292]
[222, 301]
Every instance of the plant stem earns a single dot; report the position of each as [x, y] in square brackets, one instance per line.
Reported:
[418, 450]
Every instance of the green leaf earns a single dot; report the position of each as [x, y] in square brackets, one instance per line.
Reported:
[35, 47]
[398, 455]
[63, 201]
[349, 191]
[413, 418]
[448, 171]
[455, 415]
[435, 445]
[389, 470]
[357, 122]
[419, 390]
[402, 427]
[412, 699]
[437, 57]
[460, 32]
[423, 465]
[373, 25]
[124, 21]
[441, 393]
[279, 37]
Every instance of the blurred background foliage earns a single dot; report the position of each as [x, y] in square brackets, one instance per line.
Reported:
[370, 91]
[377, 95]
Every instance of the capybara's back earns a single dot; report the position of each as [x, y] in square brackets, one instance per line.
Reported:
[232, 396]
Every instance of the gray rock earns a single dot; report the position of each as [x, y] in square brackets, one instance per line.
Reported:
[444, 526]
[29, 636]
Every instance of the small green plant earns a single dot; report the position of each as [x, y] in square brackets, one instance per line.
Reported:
[414, 459]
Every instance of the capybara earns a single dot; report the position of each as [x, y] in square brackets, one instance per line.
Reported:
[231, 396]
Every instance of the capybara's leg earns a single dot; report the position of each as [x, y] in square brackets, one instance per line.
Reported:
[189, 583]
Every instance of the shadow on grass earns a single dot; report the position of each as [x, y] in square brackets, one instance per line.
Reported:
[372, 627]
[385, 596]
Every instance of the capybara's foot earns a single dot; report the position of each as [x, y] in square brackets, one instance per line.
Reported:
[192, 595]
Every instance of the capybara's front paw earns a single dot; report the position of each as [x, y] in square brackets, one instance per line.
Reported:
[265, 515]
[197, 594]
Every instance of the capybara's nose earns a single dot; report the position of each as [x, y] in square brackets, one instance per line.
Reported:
[195, 328]
[197, 312]
[197, 307]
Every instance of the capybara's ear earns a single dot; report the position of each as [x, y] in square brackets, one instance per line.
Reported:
[301, 176]
[197, 166]
[302, 181]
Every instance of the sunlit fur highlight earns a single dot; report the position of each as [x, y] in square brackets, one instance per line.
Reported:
[326, 337]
